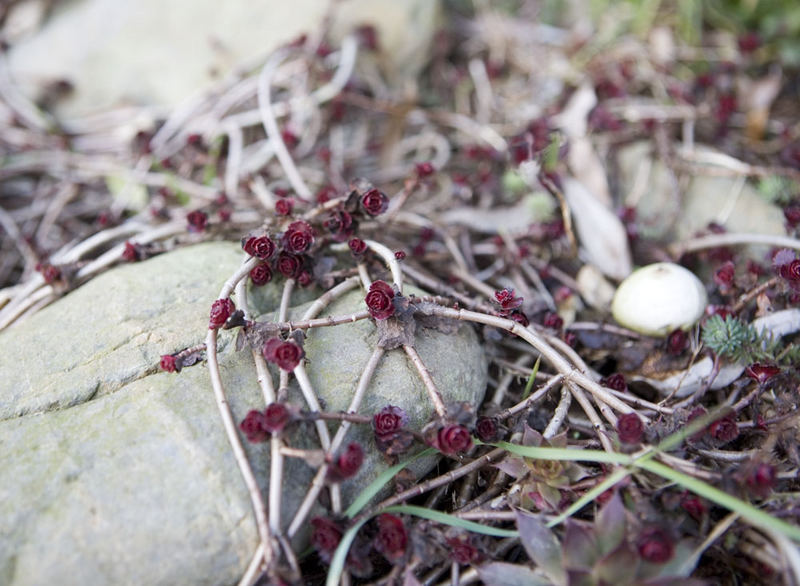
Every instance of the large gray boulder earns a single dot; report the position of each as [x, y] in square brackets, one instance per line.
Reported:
[117, 473]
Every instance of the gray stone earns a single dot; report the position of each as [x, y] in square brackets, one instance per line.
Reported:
[117, 473]
[705, 199]
[151, 52]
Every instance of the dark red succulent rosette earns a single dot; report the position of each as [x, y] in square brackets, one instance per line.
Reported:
[261, 274]
[760, 478]
[392, 537]
[168, 363]
[197, 221]
[677, 342]
[488, 429]
[452, 439]
[276, 416]
[374, 202]
[325, 537]
[259, 246]
[132, 251]
[762, 373]
[252, 426]
[379, 300]
[615, 381]
[284, 207]
[389, 420]
[507, 301]
[290, 265]
[655, 545]
[286, 354]
[357, 246]
[347, 463]
[340, 224]
[425, 169]
[221, 310]
[462, 551]
[630, 428]
[724, 430]
[298, 237]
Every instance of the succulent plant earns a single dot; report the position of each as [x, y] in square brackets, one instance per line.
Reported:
[609, 551]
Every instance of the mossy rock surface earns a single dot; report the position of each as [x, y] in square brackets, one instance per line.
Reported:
[117, 473]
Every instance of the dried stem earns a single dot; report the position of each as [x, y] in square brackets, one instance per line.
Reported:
[430, 386]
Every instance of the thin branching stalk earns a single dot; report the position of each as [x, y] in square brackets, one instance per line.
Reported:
[560, 414]
[433, 391]
[271, 125]
[319, 479]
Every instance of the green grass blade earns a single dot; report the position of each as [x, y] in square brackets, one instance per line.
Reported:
[590, 495]
[532, 378]
[451, 520]
[574, 455]
[745, 510]
[376, 485]
[340, 555]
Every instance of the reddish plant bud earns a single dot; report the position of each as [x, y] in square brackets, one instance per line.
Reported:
[260, 246]
[197, 221]
[289, 265]
[261, 274]
[698, 411]
[507, 300]
[168, 363]
[283, 207]
[749, 42]
[723, 277]
[289, 139]
[325, 194]
[519, 317]
[694, 506]
[221, 310]
[677, 342]
[630, 428]
[389, 420]
[761, 479]
[792, 215]
[453, 439]
[368, 37]
[615, 381]
[462, 551]
[487, 429]
[655, 545]
[357, 246]
[340, 224]
[276, 416]
[553, 321]
[298, 238]
[347, 463]
[132, 252]
[252, 427]
[325, 537]
[379, 300]
[424, 170]
[304, 279]
[724, 430]
[224, 214]
[374, 202]
[392, 537]
[761, 373]
[287, 355]
[400, 254]
[50, 273]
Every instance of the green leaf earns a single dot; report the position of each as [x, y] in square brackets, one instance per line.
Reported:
[451, 520]
[570, 454]
[340, 555]
[382, 480]
[503, 574]
[541, 545]
[531, 378]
